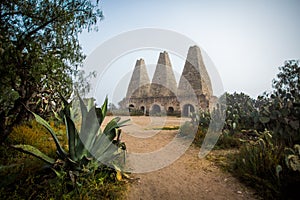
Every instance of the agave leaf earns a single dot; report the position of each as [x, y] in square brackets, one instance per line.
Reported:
[35, 152]
[123, 123]
[90, 104]
[111, 125]
[89, 129]
[108, 155]
[104, 109]
[100, 116]
[101, 145]
[112, 134]
[114, 123]
[41, 121]
[83, 108]
[72, 137]
[80, 147]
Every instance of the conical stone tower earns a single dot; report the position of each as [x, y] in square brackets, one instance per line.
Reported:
[139, 84]
[194, 78]
[162, 95]
[163, 83]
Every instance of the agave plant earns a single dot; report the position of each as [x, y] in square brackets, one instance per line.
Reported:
[89, 147]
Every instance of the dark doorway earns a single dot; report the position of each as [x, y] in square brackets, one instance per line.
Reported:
[131, 107]
[170, 109]
[143, 109]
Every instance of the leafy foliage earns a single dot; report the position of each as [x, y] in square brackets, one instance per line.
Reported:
[270, 162]
[40, 54]
[88, 150]
[241, 112]
[281, 113]
[269, 168]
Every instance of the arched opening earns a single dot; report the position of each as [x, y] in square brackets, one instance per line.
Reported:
[170, 109]
[143, 109]
[131, 107]
[155, 109]
[187, 110]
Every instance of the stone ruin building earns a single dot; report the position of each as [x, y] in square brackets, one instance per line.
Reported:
[162, 95]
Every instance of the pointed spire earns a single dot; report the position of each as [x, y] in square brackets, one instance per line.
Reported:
[139, 84]
[194, 77]
[163, 82]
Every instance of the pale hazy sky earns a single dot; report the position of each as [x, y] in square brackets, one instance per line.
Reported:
[246, 40]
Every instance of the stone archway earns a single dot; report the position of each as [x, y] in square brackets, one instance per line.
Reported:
[131, 107]
[170, 109]
[187, 110]
[155, 109]
[143, 109]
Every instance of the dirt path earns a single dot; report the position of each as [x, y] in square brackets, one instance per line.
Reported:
[187, 178]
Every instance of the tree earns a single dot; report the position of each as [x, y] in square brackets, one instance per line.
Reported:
[241, 112]
[287, 83]
[40, 53]
[281, 113]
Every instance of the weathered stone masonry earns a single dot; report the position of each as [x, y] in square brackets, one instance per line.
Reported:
[162, 95]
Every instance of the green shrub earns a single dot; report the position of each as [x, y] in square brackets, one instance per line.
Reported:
[256, 164]
[226, 140]
[265, 165]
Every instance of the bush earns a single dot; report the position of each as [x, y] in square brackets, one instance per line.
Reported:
[187, 129]
[227, 141]
[261, 164]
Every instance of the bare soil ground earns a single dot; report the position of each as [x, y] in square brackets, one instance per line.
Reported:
[189, 177]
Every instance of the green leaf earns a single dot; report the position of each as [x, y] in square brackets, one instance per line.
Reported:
[100, 116]
[104, 109]
[89, 129]
[90, 104]
[80, 148]
[83, 108]
[264, 120]
[35, 152]
[72, 137]
[111, 125]
[41, 121]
